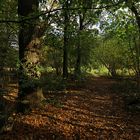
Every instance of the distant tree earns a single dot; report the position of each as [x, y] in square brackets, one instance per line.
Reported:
[87, 17]
[111, 54]
[52, 52]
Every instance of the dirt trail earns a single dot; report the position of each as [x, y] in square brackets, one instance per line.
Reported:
[88, 112]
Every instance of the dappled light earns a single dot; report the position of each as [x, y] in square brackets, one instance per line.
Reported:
[69, 70]
[79, 113]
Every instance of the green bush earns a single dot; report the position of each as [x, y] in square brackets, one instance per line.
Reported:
[53, 83]
[125, 86]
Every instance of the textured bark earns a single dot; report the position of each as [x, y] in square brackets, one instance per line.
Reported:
[30, 92]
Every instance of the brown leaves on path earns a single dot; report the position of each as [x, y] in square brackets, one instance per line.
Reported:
[90, 111]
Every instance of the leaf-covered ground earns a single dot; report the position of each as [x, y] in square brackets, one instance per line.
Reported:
[88, 111]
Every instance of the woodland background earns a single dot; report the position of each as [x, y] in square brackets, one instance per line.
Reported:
[70, 69]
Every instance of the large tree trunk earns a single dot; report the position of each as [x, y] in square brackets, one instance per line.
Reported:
[30, 92]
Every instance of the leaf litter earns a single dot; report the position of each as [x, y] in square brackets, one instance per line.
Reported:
[92, 112]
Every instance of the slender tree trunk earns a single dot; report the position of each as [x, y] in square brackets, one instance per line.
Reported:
[30, 92]
[113, 72]
[78, 59]
[66, 41]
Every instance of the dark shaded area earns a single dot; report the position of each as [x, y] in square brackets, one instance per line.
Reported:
[127, 88]
[7, 107]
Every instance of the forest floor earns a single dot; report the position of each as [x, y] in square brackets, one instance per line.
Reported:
[87, 111]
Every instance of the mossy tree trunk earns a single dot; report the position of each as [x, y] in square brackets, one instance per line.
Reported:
[30, 92]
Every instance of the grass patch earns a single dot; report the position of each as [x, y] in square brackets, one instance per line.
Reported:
[102, 71]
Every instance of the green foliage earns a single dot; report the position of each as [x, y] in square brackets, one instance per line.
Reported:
[122, 26]
[100, 71]
[30, 83]
[52, 83]
[8, 55]
[125, 87]
[52, 52]
[111, 54]
[88, 42]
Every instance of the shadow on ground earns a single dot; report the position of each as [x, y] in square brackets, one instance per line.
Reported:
[89, 112]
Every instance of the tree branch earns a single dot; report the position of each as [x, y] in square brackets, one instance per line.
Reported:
[55, 10]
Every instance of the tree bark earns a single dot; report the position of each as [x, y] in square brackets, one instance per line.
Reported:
[66, 40]
[30, 92]
[78, 60]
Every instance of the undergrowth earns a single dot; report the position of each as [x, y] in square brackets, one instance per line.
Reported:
[130, 94]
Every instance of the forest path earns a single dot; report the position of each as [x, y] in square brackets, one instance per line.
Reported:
[91, 111]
